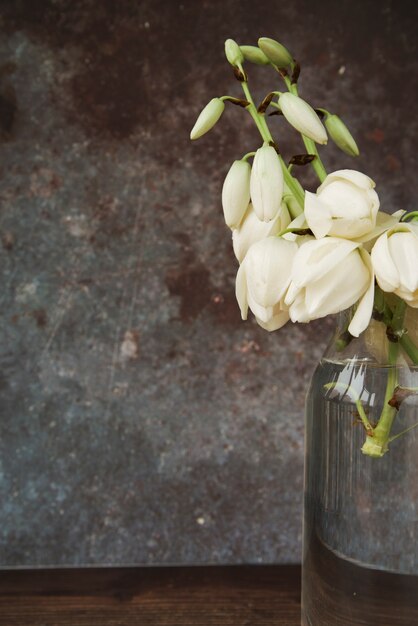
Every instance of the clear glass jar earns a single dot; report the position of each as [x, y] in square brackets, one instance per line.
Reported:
[360, 545]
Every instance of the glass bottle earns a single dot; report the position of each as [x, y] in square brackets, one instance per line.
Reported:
[360, 540]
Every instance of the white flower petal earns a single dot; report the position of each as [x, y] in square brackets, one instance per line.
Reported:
[241, 292]
[346, 200]
[252, 230]
[318, 215]
[262, 312]
[362, 316]
[384, 221]
[298, 311]
[345, 205]
[353, 176]
[403, 247]
[315, 258]
[385, 269]
[268, 266]
[277, 321]
[340, 288]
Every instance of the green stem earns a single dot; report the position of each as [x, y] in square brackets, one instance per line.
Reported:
[292, 87]
[317, 164]
[381, 305]
[252, 109]
[297, 231]
[356, 399]
[403, 432]
[376, 444]
[247, 156]
[398, 315]
[412, 215]
[410, 348]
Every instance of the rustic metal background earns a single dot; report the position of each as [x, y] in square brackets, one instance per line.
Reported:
[141, 420]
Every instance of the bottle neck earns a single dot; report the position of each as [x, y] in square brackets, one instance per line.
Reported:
[375, 344]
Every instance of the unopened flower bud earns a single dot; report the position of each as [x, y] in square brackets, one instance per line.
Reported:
[301, 116]
[233, 53]
[340, 135]
[236, 193]
[275, 52]
[207, 118]
[266, 184]
[254, 55]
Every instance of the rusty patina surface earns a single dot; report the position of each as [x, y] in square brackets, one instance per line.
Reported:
[141, 420]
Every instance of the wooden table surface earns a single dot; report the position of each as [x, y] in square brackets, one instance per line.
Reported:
[154, 596]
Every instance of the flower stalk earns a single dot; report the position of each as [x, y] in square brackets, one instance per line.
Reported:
[306, 254]
[377, 442]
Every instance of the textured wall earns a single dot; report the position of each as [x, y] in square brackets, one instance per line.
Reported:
[141, 420]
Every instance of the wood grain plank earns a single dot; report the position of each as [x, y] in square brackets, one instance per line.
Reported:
[161, 596]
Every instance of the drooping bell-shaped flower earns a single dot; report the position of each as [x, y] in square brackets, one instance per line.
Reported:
[207, 118]
[395, 262]
[266, 183]
[345, 205]
[236, 193]
[263, 279]
[302, 116]
[329, 275]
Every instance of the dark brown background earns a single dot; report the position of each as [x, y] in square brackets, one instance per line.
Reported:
[141, 420]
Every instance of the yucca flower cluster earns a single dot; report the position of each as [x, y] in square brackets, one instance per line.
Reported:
[305, 255]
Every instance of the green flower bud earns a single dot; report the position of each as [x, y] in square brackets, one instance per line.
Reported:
[207, 118]
[340, 135]
[254, 55]
[276, 52]
[233, 53]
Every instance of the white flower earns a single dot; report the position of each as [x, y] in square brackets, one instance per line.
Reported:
[395, 262]
[263, 279]
[266, 184]
[328, 276]
[384, 222]
[207, 118]
[252, 230]
[345, 205]
[236, 193]
[302, 116]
